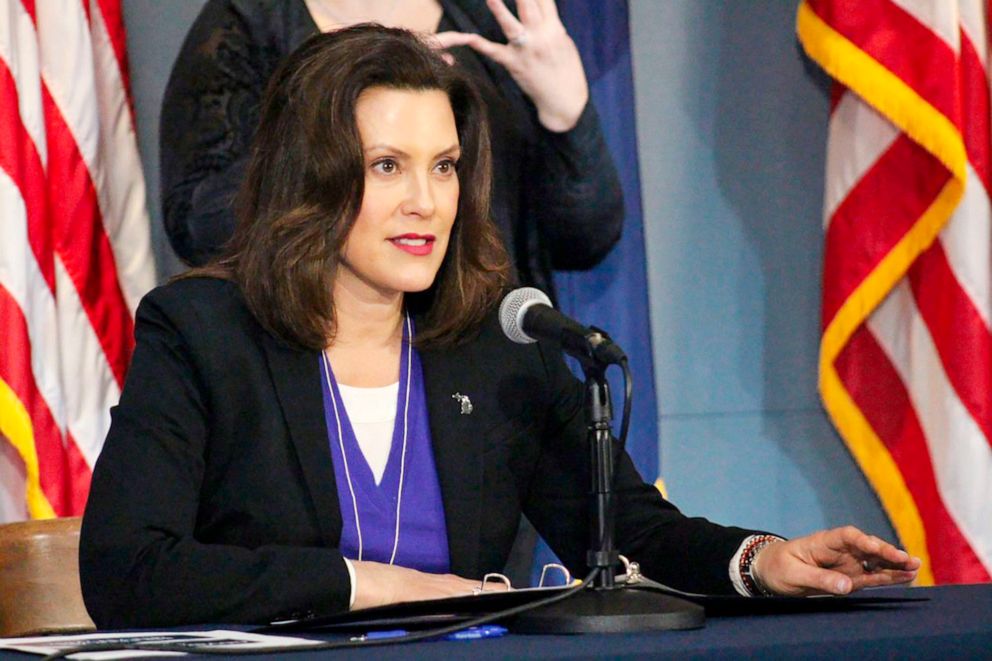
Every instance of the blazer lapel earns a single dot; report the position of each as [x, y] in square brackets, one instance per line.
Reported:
[296, 376]
[457, 455]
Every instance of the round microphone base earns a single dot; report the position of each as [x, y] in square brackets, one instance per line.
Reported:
[615, 610]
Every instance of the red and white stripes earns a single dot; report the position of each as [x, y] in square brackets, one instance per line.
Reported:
[75, 252]
[906, 354]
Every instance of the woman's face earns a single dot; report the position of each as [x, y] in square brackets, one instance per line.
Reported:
[411, 192]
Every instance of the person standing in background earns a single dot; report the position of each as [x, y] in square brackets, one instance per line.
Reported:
[557, 200]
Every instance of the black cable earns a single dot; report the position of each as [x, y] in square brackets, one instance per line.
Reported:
[628, 397]
[338, 644]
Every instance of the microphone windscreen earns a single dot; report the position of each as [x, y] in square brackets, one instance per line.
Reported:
[514, 307]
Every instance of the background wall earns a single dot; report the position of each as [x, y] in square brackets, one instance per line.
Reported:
[732, 132]
[155, 31]
[732, 139]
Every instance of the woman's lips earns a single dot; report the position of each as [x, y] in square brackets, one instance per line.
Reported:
[414, 244]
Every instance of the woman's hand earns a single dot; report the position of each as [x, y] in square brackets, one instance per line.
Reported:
[540, 56]
[378, 584]
[837, 561]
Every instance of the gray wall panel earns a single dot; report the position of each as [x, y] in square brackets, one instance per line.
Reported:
[155, 31]
[732, 139]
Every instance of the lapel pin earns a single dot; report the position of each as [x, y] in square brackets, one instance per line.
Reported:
[465, 402]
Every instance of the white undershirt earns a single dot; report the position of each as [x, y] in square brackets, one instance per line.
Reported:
[372, 412]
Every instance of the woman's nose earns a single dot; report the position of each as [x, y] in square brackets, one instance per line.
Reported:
[420, 196]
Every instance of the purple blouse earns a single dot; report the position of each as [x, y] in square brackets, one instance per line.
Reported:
[409, 488]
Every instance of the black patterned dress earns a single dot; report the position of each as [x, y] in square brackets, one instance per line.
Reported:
[556, 196]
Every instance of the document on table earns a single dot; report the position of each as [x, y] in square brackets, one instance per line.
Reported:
[234, 640]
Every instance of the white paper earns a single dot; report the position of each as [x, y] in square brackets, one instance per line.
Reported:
[220, 638]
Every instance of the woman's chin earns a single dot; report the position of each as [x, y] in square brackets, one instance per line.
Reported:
[417, 281]
[418, 286]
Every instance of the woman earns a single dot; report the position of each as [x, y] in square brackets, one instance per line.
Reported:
[556, 197]
[240, 471]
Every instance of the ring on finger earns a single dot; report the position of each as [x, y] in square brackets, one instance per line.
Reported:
[869, 566]
[520, 40]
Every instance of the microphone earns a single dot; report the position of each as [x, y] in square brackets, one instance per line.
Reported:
[526, 315]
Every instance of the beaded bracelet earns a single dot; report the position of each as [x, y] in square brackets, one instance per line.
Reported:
[745, 565]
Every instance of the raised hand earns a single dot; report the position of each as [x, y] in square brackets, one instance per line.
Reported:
[539, 55]
[837, 561]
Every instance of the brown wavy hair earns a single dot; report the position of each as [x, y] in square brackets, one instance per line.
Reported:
[305, 181]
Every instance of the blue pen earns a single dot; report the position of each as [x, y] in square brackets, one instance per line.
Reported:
[472, 633]
[379, 635]
[475, 633]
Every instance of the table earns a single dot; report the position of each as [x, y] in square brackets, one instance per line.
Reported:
[953, 622]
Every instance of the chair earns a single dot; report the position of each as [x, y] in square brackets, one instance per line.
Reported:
[39, 578]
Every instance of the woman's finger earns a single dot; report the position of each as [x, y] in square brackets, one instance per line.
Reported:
[900, 561]
[445, 40]
[498, 53]
[884, 578]
[844, 538]
[530, 13]
[878, 554]
[869, 544]
[507, 21]
[548, 9]
[449, 39]
[807, 579]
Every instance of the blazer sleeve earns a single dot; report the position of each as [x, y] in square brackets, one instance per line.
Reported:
[571, 190]
[140, 561]
[578, 201]
[690, 554]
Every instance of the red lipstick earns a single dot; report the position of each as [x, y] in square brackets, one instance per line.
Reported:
[414, 244]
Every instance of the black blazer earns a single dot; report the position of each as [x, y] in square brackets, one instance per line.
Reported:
[214, 498]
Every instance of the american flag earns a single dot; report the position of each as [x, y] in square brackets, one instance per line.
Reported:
[75, 251]
[906, 347]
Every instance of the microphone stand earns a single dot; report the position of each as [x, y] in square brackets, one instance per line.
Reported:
[605, 606]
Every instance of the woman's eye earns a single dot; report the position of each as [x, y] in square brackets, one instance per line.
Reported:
[446, 166]
[385, 166]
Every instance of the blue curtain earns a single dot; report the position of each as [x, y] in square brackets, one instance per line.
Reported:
[614, 295]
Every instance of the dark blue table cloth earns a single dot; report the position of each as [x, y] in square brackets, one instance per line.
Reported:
[953, 622]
